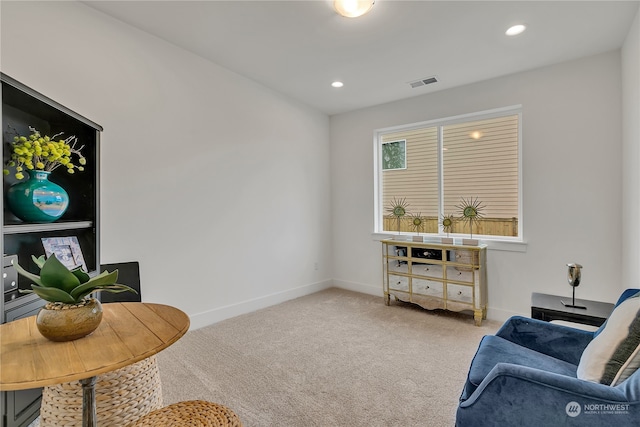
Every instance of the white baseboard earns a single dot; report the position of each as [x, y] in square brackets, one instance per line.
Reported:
[359, 287]
[210, 317]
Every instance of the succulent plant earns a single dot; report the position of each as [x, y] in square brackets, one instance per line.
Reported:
[57, 283]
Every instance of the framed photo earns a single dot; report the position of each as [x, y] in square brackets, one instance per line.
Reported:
[66, 249]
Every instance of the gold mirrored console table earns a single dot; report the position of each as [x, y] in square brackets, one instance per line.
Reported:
[436, 276]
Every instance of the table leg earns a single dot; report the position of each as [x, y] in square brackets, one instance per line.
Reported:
[478, 316]
[88, 402]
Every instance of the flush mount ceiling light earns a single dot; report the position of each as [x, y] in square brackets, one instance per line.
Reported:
[337, 84]
[353, 8]
[515, 30]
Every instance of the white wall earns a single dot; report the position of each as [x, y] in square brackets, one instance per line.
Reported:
[224, 192]
[572, 148]
[631, 156]
[218, 186]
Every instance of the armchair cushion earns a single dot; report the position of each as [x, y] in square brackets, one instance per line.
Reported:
[561, 342]
[499, 350]
[614, 354]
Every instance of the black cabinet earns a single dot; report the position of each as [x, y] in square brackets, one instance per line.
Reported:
[22, 108]
[20, 408]
[552, 307]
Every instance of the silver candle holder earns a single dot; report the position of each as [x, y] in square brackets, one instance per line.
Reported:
[574, 275]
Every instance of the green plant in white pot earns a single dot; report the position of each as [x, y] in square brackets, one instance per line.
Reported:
[70, 312]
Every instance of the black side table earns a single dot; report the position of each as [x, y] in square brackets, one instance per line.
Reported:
[549, 307]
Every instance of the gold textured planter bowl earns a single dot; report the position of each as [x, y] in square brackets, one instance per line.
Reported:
[68, 322]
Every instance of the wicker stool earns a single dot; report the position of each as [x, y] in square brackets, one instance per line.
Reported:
[193, 413]
[122, 397]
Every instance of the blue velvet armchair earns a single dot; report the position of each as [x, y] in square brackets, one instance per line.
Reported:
[526, 375]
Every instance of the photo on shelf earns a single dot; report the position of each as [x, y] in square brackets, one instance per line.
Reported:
[66, 249]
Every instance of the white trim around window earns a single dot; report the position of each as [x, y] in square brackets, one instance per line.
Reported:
[436, 165]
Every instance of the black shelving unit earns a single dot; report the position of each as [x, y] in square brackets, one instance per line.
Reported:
[23, 107]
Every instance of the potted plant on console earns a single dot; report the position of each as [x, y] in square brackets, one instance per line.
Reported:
[70, 312]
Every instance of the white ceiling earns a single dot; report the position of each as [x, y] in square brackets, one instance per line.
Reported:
[299, 47]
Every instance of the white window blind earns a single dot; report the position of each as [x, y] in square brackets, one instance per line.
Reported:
[480, 160]
[418, 181]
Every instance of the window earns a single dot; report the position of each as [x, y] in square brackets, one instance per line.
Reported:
[433, 167]
[394, 155]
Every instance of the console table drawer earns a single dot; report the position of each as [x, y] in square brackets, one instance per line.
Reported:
[426, 270]
[398, 283]
[398, 267]
[427, 287]
[458, 275]
[460, 293]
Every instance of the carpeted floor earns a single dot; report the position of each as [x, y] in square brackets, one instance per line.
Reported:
[334, 358]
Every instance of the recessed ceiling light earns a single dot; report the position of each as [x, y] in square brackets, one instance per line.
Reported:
[337, 84]
[515, 30]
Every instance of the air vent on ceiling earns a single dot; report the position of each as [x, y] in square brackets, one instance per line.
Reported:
[423, 82]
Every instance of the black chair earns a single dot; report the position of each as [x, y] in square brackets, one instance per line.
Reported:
[128, 274]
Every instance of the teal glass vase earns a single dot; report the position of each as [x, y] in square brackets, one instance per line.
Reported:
[37, 199]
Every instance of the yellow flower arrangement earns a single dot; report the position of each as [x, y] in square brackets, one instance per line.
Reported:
[43, 153]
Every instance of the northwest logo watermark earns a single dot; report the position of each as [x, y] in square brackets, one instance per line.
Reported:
[573, 409]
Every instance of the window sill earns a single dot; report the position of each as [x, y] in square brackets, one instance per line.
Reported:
[492, 244]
